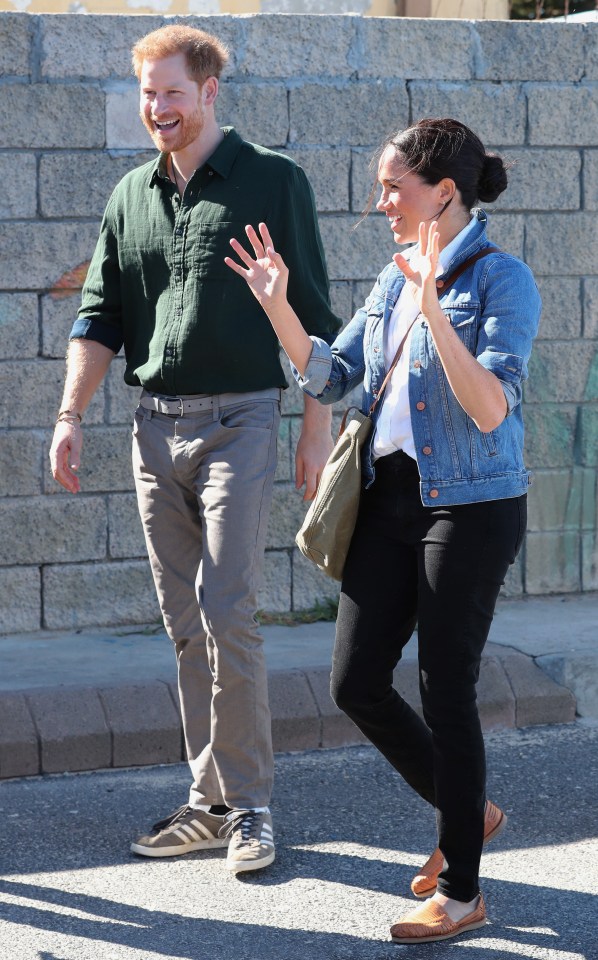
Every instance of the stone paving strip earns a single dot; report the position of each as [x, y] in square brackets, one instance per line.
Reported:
[107, 697]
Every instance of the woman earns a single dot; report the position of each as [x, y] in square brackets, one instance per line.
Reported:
[443, 509]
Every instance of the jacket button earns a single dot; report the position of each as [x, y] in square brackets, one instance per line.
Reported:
[434, 493]
[416, 364]
[427, 451]
[420, 405]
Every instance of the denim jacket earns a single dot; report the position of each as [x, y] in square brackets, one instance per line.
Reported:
[494, 307]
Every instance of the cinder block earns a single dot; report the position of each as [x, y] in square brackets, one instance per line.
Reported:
[496, 112]
[402, 47]
[19, 749]
[550, 238]
[88, 594]
[513, 585]
[555, 112]
[58, 315]
[15, 49]
[20, 599]
[20, 463]
[30, 392]
[274, 594]
[591, 50]
[288, 510]
[121, 399]
[72, 729]
[552, 562]
[550, 434]
[359, 254]
[124, 129]
[144, 724]
[363, 112]
[538, 698]
[79, 185]
[95, 47]
[283, 46]
[561, 308]
[506, 230]
[529, 51]
[588, 436]
[363, 179]
[341, 299]
[105, 461]
[555, 500]
[125, 532]
[533, 176]
[337, 729]
[295, 720]
[285, 464]
[259, 112]
[327, 169]
[590, 179]
[310, 585]
[292, 398]
[53, 251]
[21, 203]
[52, 530]
[19, 323]
[558, 371]
[70, 114]
[496, 702]
[589, 560]
[590, 307]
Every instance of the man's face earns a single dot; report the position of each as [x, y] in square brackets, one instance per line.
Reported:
[170, 103]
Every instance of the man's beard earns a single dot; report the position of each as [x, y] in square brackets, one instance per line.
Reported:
[187, 131]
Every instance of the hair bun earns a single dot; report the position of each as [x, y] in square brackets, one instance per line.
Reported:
[493, 179]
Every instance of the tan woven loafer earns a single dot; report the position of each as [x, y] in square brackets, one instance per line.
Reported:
[431, 922]
[424, 884]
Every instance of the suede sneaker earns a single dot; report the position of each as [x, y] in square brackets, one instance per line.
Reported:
[183, 831]
[251, 844]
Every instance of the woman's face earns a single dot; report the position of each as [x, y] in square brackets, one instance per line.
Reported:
[406, 199]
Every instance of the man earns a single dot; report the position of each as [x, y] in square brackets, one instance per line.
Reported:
[204, 437]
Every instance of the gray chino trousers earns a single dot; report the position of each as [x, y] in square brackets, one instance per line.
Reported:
[204, 488]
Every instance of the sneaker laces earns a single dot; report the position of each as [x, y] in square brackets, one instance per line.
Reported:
[247, 821]
[171, 818]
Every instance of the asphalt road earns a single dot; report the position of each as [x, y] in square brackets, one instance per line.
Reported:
[349, 835]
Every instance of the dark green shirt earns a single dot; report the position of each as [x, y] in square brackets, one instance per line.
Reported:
[158, 284]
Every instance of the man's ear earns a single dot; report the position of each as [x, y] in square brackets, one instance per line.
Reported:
[209, 91]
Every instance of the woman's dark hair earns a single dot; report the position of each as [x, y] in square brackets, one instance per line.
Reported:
[436, 148]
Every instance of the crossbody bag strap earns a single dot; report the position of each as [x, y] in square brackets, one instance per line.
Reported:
[448, 281]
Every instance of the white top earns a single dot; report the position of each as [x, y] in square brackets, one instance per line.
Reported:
[393, 428]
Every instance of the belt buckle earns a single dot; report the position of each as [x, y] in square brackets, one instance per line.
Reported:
[182, 413]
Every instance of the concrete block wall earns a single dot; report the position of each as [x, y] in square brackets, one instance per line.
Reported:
[325, 89]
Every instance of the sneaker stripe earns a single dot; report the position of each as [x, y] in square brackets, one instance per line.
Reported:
[187, 832]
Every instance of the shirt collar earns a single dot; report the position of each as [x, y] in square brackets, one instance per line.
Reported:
[221, 161]
[447, 253]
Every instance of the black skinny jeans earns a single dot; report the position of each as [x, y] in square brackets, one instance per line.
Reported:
[442, 568]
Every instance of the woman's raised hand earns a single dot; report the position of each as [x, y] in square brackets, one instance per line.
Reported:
[267, 274]
[420, 271]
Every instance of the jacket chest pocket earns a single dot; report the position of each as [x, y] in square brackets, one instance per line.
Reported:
[465, 324]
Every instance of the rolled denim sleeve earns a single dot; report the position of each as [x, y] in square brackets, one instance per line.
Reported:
[317, 373]
[509, 323]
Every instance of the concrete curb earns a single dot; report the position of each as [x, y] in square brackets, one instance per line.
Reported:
[63, 729]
